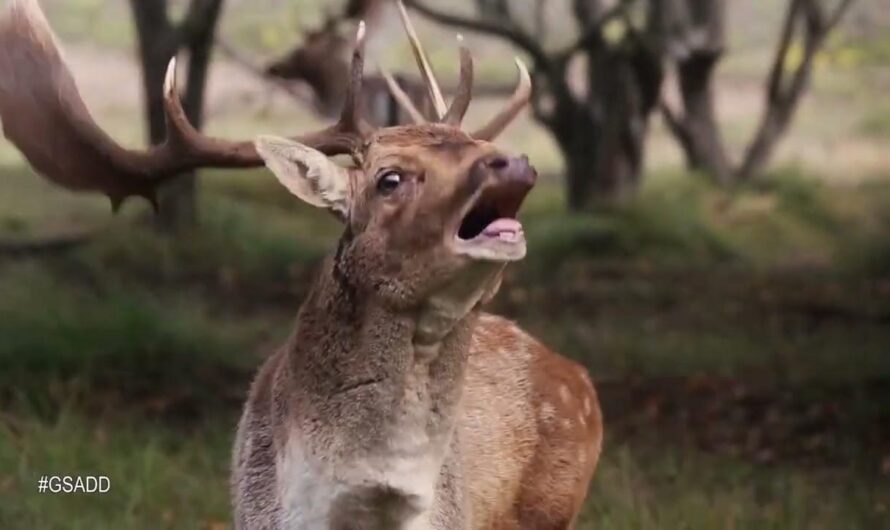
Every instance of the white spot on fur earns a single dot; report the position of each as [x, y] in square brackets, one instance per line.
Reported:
[548, 411]
[564, 394]
[581, 419]
[586, 405]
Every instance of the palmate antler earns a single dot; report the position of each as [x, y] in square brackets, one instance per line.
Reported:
[45, 117]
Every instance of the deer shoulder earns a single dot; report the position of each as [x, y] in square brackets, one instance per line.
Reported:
[533, 421]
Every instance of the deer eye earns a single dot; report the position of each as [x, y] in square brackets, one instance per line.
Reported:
[388, 182]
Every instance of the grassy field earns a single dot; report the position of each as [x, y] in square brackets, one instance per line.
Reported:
[740, 344]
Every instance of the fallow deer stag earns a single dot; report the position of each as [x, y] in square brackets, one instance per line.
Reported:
[396, 403]
[322, 62]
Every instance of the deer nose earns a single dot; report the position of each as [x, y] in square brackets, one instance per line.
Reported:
[512, 170]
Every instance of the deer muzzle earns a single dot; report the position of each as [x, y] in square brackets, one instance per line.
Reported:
[488, 228]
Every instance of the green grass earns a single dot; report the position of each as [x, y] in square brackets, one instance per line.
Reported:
[680, 221]
[107, 345]
[129, 355]
[170, 478]
[160, 477]
[671, 489]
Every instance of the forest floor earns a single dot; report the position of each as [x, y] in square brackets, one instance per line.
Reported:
[739, 343]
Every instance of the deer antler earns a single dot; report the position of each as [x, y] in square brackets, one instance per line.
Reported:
[454, 114]
[426, 70]
[402, 98]
[521, 96]
[461, 102]
[44, 115]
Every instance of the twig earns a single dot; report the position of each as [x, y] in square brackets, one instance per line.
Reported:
[237, 57]
[507, 30]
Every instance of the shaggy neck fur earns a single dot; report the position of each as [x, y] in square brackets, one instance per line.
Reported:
[369, 380]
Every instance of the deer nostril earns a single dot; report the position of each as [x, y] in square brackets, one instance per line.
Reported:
[498, 163]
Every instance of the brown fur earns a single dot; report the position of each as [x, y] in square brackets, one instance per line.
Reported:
[377, 371]
[532, 446]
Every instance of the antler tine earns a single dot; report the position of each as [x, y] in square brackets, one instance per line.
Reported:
[402, 98]
[521, 96]
[423, 63]
[179, 129]
[461, 102]
[351, 119]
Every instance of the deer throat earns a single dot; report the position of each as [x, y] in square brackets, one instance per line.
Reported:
[373, 382]
[351, 444]
[451, 304]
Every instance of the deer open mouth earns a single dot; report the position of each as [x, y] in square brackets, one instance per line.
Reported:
[489, 229]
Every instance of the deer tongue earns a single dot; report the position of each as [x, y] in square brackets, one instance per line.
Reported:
[503, 226]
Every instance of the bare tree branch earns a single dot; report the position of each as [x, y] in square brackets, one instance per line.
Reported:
[259, 72]
[506, 30]
[839, 13]
[674, 122]
[787, 86]
[592, 33]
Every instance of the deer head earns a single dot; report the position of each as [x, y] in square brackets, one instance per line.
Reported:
[322, 62]
[431, 191]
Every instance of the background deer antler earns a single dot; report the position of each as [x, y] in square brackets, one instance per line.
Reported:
[45, 117]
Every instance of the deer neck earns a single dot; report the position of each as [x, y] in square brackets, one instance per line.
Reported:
[370, 379]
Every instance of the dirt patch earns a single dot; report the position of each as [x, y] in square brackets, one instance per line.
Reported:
[810, 425]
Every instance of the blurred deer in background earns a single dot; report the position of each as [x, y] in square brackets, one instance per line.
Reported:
[396, 402]
[322, 62]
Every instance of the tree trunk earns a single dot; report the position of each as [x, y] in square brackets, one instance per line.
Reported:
[159, 41]
[698, 48]
[583, 188]
[772, 128]
[625, 83]
[157, 44]
[579, 140]
[182, 194]
[603, 154]
[701, 139]
[603, 138]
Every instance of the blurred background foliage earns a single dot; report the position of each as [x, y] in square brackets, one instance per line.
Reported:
[739, 336]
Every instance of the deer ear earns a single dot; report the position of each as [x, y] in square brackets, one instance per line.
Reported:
[307, 173]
